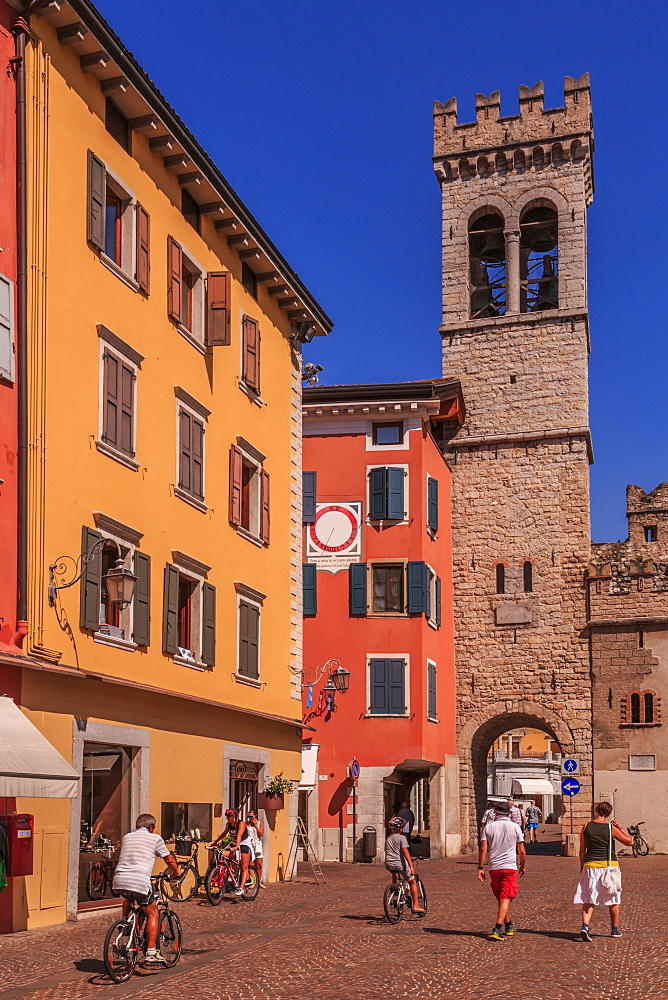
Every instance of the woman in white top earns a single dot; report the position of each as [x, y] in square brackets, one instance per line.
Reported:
[256, 832]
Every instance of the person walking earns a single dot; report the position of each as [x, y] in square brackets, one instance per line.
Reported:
[489, 815]
[515, 814]
[533, 818]
[600, 878]
[408, 816]
[504, 841]
[256, 832]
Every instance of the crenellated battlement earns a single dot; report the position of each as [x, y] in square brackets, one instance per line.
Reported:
[533, 124]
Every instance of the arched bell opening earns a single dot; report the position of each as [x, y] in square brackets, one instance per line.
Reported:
[539, 259]
[487, 266]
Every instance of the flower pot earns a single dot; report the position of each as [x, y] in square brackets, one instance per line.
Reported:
[265, 801]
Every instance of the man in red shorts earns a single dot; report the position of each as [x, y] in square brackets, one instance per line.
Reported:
[504, 841]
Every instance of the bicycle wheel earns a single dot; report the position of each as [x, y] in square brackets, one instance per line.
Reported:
[214, 884]
[170, 937]
[119, 960]
[422, 896]
[96, 881]
[393, 903]
[640, 846]
[251, 886]
[178, 890]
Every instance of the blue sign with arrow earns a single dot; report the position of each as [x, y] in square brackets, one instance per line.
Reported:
[570, 786]
[570, 766]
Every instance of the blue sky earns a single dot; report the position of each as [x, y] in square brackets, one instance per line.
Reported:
[319, 115]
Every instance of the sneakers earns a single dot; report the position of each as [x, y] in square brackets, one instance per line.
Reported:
[510, 930]
[238, 892]
[584, 933]
[615, 932]
[154, 959]
[497, 934]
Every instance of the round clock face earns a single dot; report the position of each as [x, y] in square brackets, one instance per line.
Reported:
[335, 528]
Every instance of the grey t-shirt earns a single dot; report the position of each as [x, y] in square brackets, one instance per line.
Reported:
[393, 856]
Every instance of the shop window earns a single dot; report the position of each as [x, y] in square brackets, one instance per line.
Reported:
[185, 820]
[105, 817]
[487, 266]
[539, 260]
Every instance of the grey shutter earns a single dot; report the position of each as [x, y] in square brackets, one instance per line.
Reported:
[432, 504]
[249, 628]
[309, 486]
[90, 581]
[126, 399]
[185, 450]
[438, 601]
[170, 615]
[431, 691]
[418, 585]
[429, 610]
[357, 588]
[97, 200]
[197, 464]
[395, 495]
[6, 328]
[310, 589]
[378, 494]
[208, 624]
[111, 402]
[141, 622]
[379, 686]
[396, 697]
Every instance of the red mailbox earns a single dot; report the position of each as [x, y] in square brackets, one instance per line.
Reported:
[19, 844]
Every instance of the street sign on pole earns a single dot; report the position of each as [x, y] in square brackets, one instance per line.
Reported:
[570, 786]
[570, 765]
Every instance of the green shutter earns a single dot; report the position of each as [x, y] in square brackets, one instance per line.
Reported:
[418, 586]
[432, 504]
[396, 508]
[208, 624]
[357, 588]
[170, 619]
[378, 494]
[310, 589]
[90, 581]
[309, 485]
[141, 621]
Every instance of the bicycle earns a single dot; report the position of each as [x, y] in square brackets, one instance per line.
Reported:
[125, 940]
[101, 874]
[224, 875]
[183, 888]
[640, 847]
[397, 897]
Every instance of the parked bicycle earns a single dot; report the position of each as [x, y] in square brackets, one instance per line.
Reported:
[640, 847]
[101, 874]
[224, 876]
[125, 940]
[190, 879]
[397, 897]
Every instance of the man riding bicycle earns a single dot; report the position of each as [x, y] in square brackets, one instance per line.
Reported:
[132, 877]
[398, 859]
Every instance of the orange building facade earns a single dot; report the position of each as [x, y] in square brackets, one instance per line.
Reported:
[378, 602]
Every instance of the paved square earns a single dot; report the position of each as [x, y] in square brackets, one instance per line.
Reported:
[300, 940]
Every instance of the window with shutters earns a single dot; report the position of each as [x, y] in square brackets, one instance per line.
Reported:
[189, 613]
[117, 414]
[248, 633]
[249, 492]
[431, 691]
[191, 418]
[388, 588]
[387, 680]
[388, 489]
[118, 226]
[433, 612]
[6, 328]
[126, 627]
[250, 355]
[432, 504]
[186, 294]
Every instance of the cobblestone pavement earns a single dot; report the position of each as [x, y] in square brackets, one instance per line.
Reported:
[301, 940]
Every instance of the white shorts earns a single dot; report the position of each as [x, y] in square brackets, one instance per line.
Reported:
[591, 892]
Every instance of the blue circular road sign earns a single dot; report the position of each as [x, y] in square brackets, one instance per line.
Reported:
[571, 766]
[570, 786]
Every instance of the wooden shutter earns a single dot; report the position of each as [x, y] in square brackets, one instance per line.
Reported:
[249, 628]
[218, 290]
[431, 691]
[418, 585]
[208, 624]
[90, 581]
[111, 402]
[432, 504]
[396, 696]
[309, 487]
[264, 506]
[170, 610]
[236, 472]
[395, 495]
[141, 621]
[378, 494]
[197, 460]
[127, 393]
[379, 686]
[251, 353]
[357, 588]
[185, 450]
[310, 588]
[143, 268]
[430, 577]
[438, 602]
[6, 328]
[174, 279]
[97, 200]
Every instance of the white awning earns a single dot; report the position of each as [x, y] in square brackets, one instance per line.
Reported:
[29, 765]
[532, 786]
[309, 763]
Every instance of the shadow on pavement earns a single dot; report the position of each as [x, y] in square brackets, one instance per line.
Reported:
[564, 935]
[453, 933]
[90, 965]
[360, 916]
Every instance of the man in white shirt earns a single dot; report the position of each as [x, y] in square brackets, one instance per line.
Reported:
[132, 877]
[504, 840]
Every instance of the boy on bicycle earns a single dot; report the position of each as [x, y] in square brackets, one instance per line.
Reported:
[398, 859]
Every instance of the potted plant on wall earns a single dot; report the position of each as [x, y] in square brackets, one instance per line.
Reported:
[274, 792]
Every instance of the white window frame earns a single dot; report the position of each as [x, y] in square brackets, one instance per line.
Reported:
[249, 596]
[199, 412]
[8, 374]
[126, 269]
[406, 657]
[431, 663]
[196, 336]
[126, 618]
[407, 491]
[113, 345]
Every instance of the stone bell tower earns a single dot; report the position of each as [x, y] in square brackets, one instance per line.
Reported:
[514, 196]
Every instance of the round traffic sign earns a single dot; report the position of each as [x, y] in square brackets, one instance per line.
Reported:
[354, 769]
[570, 786]
[571, 766]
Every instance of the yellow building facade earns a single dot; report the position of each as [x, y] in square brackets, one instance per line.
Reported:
[164, 357]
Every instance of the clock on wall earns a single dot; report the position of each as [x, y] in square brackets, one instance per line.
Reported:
[334, 538]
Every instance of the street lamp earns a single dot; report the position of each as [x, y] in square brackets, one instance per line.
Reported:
[339, 679]
[119, 580]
